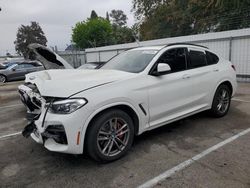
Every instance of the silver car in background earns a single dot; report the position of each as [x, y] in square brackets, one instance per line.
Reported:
[18, 71]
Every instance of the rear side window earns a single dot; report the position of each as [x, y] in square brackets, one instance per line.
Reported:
[197, 59]
[28, 65]
[20, 66]
[175, 58]
[211, 58]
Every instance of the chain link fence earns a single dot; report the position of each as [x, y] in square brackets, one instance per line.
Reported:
[75, 58]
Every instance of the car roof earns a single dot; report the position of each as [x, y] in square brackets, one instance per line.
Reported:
[149, 48]
[186, 44]
[171, 45]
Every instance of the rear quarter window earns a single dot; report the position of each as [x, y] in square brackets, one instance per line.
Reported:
[211, 58]
[197, 59]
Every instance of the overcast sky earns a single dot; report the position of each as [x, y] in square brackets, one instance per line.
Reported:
[56, 17]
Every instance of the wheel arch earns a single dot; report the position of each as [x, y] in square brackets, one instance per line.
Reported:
[4, 76]
[227, 83]
[129, 109]
[224, 81]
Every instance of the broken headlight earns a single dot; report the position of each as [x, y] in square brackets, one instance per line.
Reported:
[66, 106]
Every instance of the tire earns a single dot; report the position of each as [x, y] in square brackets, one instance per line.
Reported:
[3, 78]
[105, 133]
[221, 102]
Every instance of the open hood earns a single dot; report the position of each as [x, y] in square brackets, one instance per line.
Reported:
[48, 58]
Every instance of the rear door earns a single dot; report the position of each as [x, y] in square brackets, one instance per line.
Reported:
[29, 68]
[201, 76]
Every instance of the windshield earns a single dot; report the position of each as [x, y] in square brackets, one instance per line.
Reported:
[133, 61]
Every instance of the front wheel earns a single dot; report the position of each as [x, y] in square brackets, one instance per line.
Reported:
[221, 101]
[110, 136]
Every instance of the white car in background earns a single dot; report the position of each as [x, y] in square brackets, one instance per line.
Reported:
[100, 111]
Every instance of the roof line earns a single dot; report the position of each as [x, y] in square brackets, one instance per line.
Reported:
[185, 43]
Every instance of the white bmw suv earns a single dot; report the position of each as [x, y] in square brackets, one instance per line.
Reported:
[101, 111]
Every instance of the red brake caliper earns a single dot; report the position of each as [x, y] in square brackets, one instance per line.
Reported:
[118, 126]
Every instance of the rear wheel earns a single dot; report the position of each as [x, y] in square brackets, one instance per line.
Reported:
[2, 79]
[221, 101]
[110, 136]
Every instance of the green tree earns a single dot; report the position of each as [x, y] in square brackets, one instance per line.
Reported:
[177, 17]
[122, 35]
[107, 16]
[93, 15]
[121, 32]
[26, 35]
[145, 8]
[219, 15]
[92, 33]
[118, 18]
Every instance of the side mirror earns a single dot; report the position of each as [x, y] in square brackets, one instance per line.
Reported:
[13, 69]
[162, 68]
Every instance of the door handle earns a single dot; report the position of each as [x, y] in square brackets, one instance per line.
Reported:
[216, 70]
[186, 76]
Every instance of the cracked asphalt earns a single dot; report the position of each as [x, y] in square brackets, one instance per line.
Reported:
[24, 163]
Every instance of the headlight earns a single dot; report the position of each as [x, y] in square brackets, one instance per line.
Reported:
[66, 106]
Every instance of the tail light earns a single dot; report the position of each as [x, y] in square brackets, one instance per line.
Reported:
[233, 67]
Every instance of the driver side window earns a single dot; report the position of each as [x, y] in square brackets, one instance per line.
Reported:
[175, 58]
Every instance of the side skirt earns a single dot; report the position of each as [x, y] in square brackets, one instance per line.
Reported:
[175, 119]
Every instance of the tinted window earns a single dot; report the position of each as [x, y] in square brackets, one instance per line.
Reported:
[211, 58]
[24, 66]
[28, 65]
[197, 59]
[35, 64]
[175, 58]
[20, 66]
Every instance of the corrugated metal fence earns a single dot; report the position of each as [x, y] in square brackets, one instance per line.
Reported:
[232, 45]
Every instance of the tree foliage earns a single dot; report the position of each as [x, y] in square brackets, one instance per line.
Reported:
[122, 34]
[145, 8]
[167, 18]
[93, 15]
[92, 33]
[107, 16]
[95, 32]
[118, 18]
[26, 35]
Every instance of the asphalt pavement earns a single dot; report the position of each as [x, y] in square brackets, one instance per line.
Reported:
[24, 163]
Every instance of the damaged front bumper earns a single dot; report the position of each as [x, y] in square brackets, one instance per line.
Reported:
[31, 99]
[55, 132]
[51, 130]
[28, 129]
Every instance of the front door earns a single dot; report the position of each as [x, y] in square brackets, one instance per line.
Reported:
[170, 95]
